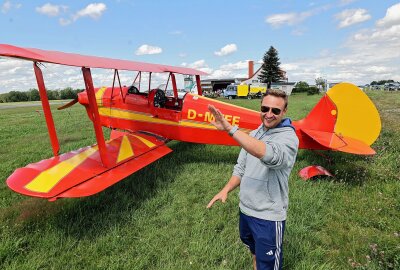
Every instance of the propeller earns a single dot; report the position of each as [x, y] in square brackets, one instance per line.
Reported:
[69, 104]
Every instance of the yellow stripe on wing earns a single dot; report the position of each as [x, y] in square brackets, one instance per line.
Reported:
[145, 141]
[125, 150]
[46, 180]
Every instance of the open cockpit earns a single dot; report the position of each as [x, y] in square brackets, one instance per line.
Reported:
[165, 96]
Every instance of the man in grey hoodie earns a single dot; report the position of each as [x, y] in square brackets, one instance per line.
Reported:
[262, 172]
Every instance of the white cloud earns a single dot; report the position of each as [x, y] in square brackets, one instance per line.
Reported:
[226, 50]
[392, 16]
[148, 49]
[379, 35]
[367, 55]
[370, 54]
[64, 22]
[94, 11]
[8, 5]
[345, 62]
[235, 66]
[377, 69]
[220, 74]
[289, 67]
[293, 18]
[352, 16]
[50, 10]
[200, 65]
[278, 20]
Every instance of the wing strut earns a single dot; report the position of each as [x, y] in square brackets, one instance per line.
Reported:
[198, 82]
[87, 76]
[174, 85]
[46, 109]
[116, 73]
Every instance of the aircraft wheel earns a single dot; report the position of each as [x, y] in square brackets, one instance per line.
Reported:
[249, 97]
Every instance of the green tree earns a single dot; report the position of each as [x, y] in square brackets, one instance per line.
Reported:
[33, 95]
[53, 94]
[382, 82]
[270, 71]
[16, 96]
[68, 93]
[312, 90]
[321, 83]
[300, 87]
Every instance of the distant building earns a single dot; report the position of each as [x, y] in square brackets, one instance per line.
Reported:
[212, 85]
[283, 85]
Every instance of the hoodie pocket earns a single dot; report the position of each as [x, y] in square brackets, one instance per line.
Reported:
[254, 194]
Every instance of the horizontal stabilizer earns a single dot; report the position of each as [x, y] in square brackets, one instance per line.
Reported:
[81, 173]
[339, 143]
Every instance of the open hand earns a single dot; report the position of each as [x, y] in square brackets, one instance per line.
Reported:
[220, 122]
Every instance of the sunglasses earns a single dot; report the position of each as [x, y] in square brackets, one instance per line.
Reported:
[266, 109]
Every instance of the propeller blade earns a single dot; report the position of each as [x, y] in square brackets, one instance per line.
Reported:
[69, 104]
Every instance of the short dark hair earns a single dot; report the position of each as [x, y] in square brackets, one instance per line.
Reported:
[276, 93]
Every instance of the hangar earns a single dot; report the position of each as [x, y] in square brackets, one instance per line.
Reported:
[214, 85]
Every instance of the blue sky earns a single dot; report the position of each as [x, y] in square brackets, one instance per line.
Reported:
[343, 40]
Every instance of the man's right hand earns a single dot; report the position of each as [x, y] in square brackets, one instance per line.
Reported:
[222, 196]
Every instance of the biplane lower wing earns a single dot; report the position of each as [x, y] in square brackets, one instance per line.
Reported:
[81, 173]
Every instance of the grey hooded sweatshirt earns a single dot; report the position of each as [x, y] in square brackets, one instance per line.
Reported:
[264, 186]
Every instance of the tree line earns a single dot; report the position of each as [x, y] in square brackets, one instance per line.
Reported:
[381, 82]
[33, 95]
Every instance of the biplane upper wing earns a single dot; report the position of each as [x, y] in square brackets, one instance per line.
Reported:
[345, 119]
[78, 60]
[81, 173]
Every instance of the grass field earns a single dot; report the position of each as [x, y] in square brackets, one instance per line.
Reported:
[157, 217]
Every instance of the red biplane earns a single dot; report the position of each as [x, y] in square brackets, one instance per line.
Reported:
[143, 121]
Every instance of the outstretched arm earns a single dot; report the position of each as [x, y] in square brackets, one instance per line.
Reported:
[251, 145]
[223, 194]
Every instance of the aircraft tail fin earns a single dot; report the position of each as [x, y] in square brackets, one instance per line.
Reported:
[345, 119]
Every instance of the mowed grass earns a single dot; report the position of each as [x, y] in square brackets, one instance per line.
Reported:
[157, 217]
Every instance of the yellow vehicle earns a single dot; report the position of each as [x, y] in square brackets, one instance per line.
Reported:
[249, 91]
